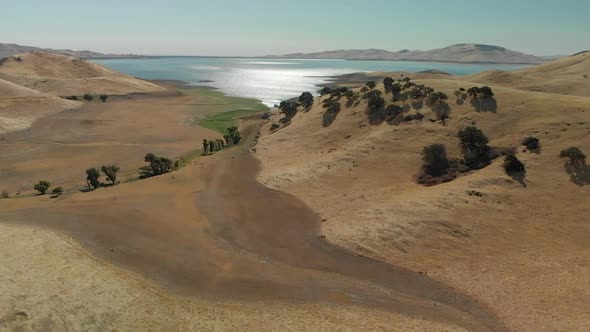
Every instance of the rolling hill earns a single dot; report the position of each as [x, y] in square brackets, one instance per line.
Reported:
[462, 53]
[63, 75]
[568, 76]
[8, 50]
[518, 248]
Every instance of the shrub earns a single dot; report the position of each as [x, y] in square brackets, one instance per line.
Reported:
[512, 164]
[532, 143]
[576, 158]
[92, 176]
[435, 159]
[104, 98]
[371, 85]
[57, 191]
[5, 194]
[72, 98]
[110, 172]
[88, 97]
[274, 127]
[42, 187]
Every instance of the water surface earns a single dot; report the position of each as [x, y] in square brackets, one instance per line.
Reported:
[273, 80]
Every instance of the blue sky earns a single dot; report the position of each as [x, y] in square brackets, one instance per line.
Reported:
[257, 27]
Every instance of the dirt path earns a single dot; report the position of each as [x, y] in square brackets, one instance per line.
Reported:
[213, 231]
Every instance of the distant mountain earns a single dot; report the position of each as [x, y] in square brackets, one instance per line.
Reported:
[462, 53]
[7, 50]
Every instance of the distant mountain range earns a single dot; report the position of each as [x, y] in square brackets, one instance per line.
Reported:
[461, 53]
[7, 50]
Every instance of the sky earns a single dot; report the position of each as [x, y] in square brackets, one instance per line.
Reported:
[260, 27]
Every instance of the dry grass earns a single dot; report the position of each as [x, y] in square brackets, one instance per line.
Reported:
[517, 249]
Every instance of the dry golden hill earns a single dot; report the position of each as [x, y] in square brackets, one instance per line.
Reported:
[65, 76]
[20, 106]
[569, 76]
[522, 251]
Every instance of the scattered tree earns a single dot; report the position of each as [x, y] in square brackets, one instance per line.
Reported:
[332, 108]
[575, 157]
[387, 84]
[158, 165]
[474, 145]
[92, 176]
[42, 187]
[375, 104]
[435, 159]
[531, 143]
[325, 91]
[288, 108]
[57, 191]
[206, 150]
[512, 164]
[306, 100]
[234, 135]
[110, 171]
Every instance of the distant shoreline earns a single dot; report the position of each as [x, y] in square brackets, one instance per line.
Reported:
[279, 58]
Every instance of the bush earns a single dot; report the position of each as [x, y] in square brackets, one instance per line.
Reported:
[512, 164]
[371, 85]
[104, 98]
[274, 127]
[435, 159]
[5, 194]
[42, 187]
[72, 98]
[57, 191]
[88, 97]
[531, 143]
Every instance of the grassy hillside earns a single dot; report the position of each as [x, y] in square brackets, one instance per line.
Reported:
[518, 247]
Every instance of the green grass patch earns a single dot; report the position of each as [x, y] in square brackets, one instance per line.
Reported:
[221, 121]
[216, 111]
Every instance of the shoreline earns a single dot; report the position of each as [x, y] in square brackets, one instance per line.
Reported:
[289, 58]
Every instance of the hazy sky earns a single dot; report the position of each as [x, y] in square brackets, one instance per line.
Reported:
[257, 27]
